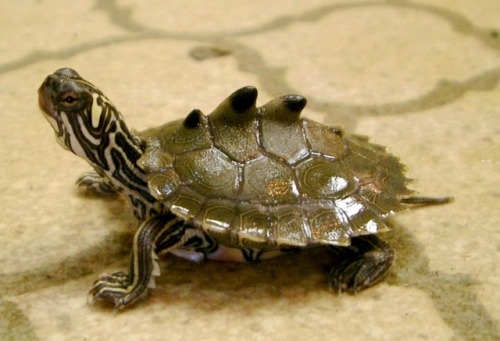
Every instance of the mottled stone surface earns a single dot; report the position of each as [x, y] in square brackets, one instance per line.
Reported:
[420, 76]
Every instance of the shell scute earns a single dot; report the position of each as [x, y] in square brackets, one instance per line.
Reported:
[268, 181]
[155, 160]
[394, 185]
[381, 202]
[187, 203]
[359, 215]
[367, 222]
[324, 179]
[176, 138]
[289, 226]
[239, 142]
[363, 150]
[326, 227]
[277, 121]
[325, 140]
[234, 125]
[217, 217]
[208, 172]
[280, 119]
[252, 225]
[163, 185]
[360, 167]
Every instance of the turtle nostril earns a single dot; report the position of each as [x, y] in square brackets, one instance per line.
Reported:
[47, 81]
[50, 81]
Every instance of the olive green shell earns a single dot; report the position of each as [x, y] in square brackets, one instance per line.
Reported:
[261, 177]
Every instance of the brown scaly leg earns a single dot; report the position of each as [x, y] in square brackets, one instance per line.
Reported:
[363, 264]
[368, 258]
[124, 289]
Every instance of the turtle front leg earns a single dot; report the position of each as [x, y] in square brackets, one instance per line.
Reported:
[124, 289]
[364, 263]
[94, 183]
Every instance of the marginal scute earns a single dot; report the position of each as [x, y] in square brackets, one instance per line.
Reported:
[367, 222]
[155, 161]
[360, 167]
[391, 175]
[163, 185]
[359, 215]
[289, 227]
[383, 203]
[396, 186]
[252, 224]
[327, 227]
[363, 149]
[187, 203]
[217, 217]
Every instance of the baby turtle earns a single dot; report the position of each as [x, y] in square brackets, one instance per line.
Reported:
[243, 184]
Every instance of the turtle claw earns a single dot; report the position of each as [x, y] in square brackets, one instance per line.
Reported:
[115, 288]
[94, 184]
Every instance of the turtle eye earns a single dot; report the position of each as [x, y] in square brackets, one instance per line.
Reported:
[70, 99]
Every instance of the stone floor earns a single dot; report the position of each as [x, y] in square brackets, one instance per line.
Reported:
[420, 76]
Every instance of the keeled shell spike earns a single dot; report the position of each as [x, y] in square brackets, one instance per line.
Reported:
[295, 103]
[243, 99]
[193, 119]
[285, 109]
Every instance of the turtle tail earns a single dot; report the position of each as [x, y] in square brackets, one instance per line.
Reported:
[425, 201]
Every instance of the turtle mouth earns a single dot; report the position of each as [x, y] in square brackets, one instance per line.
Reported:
[48, 109]
[45, 103]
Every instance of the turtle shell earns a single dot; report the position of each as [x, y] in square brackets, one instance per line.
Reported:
[263, 176]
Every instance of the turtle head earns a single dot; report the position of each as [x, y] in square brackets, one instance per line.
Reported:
[82, 117]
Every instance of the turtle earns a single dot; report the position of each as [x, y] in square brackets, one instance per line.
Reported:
[244, 183]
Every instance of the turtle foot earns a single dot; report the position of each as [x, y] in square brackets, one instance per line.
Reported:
[368, 262]
[94, 184]
[116, 288]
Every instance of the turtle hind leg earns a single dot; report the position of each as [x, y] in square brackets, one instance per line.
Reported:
[94, 184]
[364, 263]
